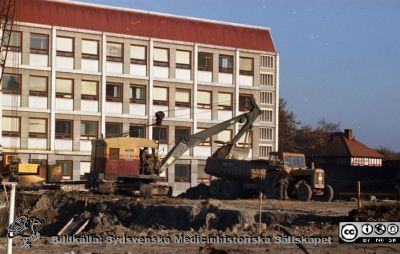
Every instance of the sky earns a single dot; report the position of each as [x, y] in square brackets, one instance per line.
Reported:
[339, 60]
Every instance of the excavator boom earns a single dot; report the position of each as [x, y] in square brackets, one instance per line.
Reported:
[188, 142]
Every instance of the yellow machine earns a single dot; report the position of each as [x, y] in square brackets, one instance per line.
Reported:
[23, 173]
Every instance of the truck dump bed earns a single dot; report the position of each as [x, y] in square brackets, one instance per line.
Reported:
[236, 169]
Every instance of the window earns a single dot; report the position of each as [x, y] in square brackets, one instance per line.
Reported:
[182, 98]
[66, 169]
[264, 151]
[161, 57]
[182, 173]
[38, 86]
[205, 62]
[114, 92]
[266, 98]
[206, 142]
[246, 66]
[39, 44]
[204, 99]
[244, 102]
[137, 131]
[11, 126]
[138, 54]
[64, 88]
[181, 132]
[11, 84]
[15, 41]
[88, 130]
[89, 90]
[160, 96]
[266, 116]
[266, 134]
[114, 52]
[113, 130]
[138, 94]
[202, 176]
[226, 64]
[90, 49]
[183, 59]
[162, 132]
[266, 79]
[224, 136]
[267, 61]
[224, 101]
[65, 46]
[37, 128]
[84, 168]
[64, 129]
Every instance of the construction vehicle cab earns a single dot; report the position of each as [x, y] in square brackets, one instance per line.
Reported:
[303, 182]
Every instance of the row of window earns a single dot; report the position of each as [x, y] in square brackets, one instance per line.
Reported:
[39, 44]
[37, 128]
[38, 86]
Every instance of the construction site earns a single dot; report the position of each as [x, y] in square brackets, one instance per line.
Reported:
[119, 140]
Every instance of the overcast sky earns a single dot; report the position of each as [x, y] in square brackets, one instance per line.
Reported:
[340, 60]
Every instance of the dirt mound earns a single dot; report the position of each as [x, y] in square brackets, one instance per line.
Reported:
[200, 191]
[377, 212]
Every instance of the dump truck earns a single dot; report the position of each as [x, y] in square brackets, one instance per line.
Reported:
[238, 178]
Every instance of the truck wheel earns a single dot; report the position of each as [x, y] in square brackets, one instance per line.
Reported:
[215, 188]
[230, 189]
[328, 193]
[304, 192]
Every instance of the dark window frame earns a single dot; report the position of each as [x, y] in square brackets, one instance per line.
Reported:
[114, 58]
[138, 101]
[91, 56]
[112, 98]
[89, 96]
[118, 134]
[90, 137]
[205, 68]
[184, 66]
[203, 179]
[140, 61]
[159, 102]
[14, 48]
[187, 177]
[13, 133]
[37, 50]
[224, 107]
[159, 63]
[39, 93]
[140, 126]
[162, 141]
[12, 91]
[64, 135]
[66, 53]
[246, 107]
[184, 104]
[225, 69]
[182, 128]
[39, 134]
[70, 164]
[66, 95]
[247, 73]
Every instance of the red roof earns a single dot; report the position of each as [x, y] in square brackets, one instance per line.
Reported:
[338, 145]
[145, 24]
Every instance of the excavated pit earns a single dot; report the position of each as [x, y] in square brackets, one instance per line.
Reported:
[124, 215]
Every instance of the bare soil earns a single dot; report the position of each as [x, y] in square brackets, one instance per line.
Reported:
[131, 216]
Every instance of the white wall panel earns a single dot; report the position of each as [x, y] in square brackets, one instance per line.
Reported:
[37, 102]
[163, 149]
[183, 74]
[138, 70]
[89, 106]
[204, 76]
[38, 60]
[160, 72]
[13, 58]
[90, 65]
[182, 113]
[203, 114]
[137, 109]
[37, 143]
[63, 145]
[63, 62]
[160, 108]
[113, 67]
[245, 80]
[224, 114]
[11, 100]
[113, 107]
[64, 104]
[11, 142]
[225, 78]
[86, 145]
[203, 151]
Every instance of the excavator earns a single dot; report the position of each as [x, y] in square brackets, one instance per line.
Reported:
[134, 165]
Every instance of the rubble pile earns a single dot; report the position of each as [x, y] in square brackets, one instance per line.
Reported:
[377, 212]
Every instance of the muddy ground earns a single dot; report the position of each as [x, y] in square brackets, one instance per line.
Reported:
[130, 216]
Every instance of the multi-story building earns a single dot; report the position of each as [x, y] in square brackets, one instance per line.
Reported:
[76, 72]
